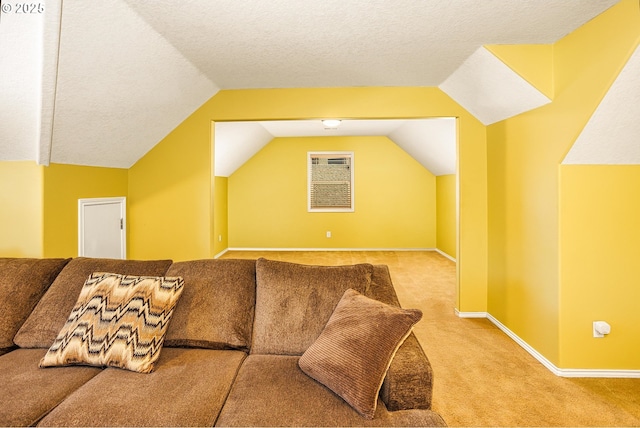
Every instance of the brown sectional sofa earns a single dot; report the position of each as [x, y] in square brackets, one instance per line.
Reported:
[230, 356]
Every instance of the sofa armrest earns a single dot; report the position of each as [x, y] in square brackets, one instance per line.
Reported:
[409, 381]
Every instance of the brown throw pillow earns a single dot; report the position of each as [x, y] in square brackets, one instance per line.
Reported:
[294, 302]
[118, 321]
[352, 354]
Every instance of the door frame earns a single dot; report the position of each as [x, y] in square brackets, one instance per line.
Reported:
[82, 203]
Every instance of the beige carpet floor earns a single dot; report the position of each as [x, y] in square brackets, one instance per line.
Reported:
[482, 377]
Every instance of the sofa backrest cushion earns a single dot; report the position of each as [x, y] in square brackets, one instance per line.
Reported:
[217, 305]
[51, 312]
[294, 302]
[22, 283]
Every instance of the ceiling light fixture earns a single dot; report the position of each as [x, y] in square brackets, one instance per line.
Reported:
[331, 123]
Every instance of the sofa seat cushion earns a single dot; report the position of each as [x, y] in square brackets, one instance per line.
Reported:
[271, 390]
[51, 312]
[188, 388]
[216, 307]
[294, 302]
[28, 392]
[22, 284]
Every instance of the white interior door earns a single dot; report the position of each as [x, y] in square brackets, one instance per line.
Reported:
[102, 228]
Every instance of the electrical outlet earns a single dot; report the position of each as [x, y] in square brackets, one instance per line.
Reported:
[219, 238]
[601, 328]
[328, 234]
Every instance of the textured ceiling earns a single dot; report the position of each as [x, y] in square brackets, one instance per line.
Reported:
[432, 142]
[285, 43]
[100, 83]
[20, 86]
[121, 86]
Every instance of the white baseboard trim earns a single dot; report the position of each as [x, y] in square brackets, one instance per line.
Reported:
[591, 373]
[442, 253]
[220, 254]
[621, 374]
[537, 355]
[471, 314]
[329, 249]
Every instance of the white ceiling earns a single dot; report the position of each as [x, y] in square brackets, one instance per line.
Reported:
[19, 86]
[328, 43]
[612, 136]
[490, 90]
[121, 86]
[432, 142]
[119, 75]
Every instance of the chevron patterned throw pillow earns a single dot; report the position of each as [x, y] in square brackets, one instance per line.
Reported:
[118, 321]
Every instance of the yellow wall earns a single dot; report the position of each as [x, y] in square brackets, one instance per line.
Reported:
[63, 186]
[599, 273]
[169, 189]
[446, 221]
[20, 209]
[220, 215]
[394, 198]
[589, 61]
[524, 154]
[170, 195]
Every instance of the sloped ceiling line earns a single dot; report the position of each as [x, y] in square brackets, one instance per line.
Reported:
[432, 142]
[490, 90]
[612, 135]
[50, 54]
[121, 86]
[235, 143]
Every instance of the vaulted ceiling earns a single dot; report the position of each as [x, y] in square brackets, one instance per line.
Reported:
[432, 142]
[101, 83]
